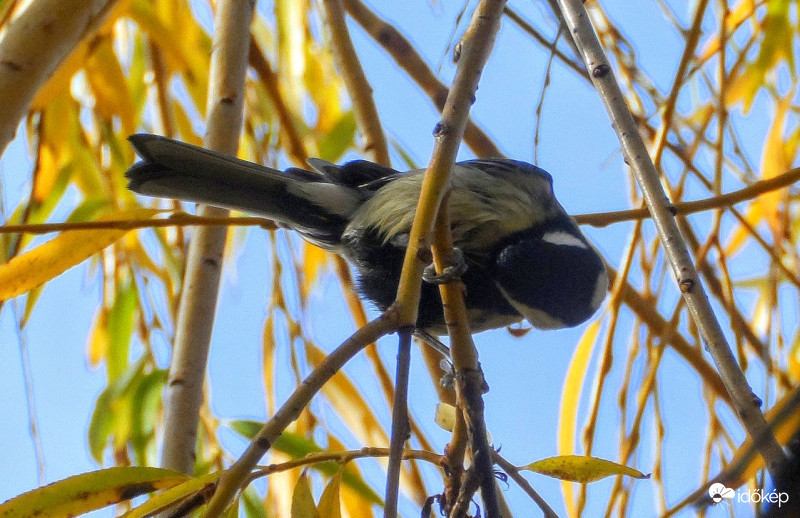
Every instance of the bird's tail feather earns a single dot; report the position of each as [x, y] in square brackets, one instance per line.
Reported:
[302, 200]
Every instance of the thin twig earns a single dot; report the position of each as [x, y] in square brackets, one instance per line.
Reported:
[517, 477]
[750, 192]
[356, 82]
[744, 401]
[597, 219]
[412, 63]
[237, 474]
[400, 426]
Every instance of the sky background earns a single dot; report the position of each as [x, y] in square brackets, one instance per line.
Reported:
[526, 375]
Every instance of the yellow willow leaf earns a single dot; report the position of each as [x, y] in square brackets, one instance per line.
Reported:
[35, 267]
[59, 82]
[777, 30]
[445, 416]
[53, 144]
[90, 491]
[98, 343]
[773, 163]
[173, 495]
[315, 261]
[302, 500]
[329, 505]
[581, 468]
[570, 400]
[794, 360]
[107, 81]
[753, 214]
[743, 10]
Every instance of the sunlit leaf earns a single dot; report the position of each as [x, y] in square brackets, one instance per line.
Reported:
[570, 400]
[339, 139]
[120, 327]
[303, 501]
[329, 504]
[53, 258]
[105, 77]
[315, 262]
[146, 403]
[581, 468]
[175, 494]
[89, 491]
[777, 45]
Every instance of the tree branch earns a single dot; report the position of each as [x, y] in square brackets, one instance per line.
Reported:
[356, 81]
[237, 474]
[183, 394]
[33, 46]
[662, 211]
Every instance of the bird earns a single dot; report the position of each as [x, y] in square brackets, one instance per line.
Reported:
[523, 256]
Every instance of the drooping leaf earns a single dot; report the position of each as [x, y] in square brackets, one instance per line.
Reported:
[35, 267]
[303, 500]
[581, 468]
[175, 494]
[329, 502]
[90, 491]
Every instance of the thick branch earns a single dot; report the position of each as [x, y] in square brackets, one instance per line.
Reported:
[184, 392]
[33, 46]
[662, 211]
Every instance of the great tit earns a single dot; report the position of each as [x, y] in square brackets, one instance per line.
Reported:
[525, 257]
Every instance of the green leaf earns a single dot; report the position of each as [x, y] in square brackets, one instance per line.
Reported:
[297, 447]
[339, 139]
[302, 500]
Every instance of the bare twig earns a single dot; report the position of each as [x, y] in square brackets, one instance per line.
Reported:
[470, 383]
[400, 426]
[690, 207]
[238, 473]
[409, 60]
[744, 401]
[517, 477]
[183, 394]
[356, 81]
[475, 48]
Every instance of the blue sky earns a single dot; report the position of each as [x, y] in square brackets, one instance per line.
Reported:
[526, 375]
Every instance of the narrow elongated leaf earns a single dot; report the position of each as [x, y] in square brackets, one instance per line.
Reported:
[89, 491]
[329, 502]
[35, 267]
[173, 495]
[303, 501]
[581, 468]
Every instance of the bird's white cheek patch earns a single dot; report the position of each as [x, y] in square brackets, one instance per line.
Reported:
[562, 238]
